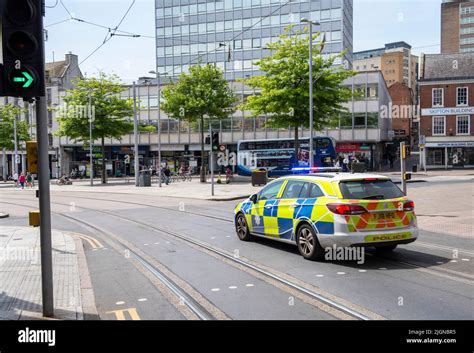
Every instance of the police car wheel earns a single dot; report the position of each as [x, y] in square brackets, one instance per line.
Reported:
[242, 228]
[308, 244]
[385, 248]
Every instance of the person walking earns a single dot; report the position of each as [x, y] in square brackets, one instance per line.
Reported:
[29, 180]
[15, 178]
[22, 180]
[391, 158]
[167, 175]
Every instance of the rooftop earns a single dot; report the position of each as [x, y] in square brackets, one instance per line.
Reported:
[447, 66]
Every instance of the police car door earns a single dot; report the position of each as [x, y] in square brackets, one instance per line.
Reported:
[289, 207]
[265, 209]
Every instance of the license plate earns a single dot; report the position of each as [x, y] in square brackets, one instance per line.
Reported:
[383, 216]
[387, 237]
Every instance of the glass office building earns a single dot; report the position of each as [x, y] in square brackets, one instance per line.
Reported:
[232, 34]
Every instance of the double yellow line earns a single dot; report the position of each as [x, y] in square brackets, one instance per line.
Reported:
[94, 243]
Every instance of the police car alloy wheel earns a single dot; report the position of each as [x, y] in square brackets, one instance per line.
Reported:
[242, 228]
[308, 244]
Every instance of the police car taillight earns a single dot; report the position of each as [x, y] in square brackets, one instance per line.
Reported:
[409, 206]
[345, 209]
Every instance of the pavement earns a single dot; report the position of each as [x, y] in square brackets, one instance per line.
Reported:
[239, 188]
[20, 276]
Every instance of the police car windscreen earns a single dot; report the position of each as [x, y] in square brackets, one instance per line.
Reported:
[370, 190]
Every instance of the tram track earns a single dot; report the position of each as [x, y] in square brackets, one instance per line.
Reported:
[346, 309]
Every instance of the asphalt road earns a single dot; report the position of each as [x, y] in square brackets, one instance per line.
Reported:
[184, 240]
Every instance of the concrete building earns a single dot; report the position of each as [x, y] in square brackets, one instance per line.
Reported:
[59, 77]
[447, 110]
[234, 33]
[364, 130]
[395, 61]
[457, 26]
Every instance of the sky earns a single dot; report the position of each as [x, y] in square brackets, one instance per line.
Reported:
[376, 22]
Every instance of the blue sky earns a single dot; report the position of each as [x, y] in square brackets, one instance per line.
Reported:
[376, 22]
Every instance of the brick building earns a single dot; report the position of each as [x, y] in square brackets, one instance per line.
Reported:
[457, 26]
[403, 112]
[447, 110]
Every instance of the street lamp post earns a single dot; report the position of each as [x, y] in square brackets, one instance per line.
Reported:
[91, 172]
[311, 121]
[158, 79]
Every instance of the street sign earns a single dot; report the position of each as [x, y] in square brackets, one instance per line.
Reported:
[422, 140]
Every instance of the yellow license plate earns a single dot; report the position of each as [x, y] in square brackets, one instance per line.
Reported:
[383, 216]
[387, 237]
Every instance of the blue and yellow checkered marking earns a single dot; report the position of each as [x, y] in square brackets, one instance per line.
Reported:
[278, 218]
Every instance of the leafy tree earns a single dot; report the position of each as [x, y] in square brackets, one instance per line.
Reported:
[8, 114]
[111, 113]
[284, 89]
[203, 92]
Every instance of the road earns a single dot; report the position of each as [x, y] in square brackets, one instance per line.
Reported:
[163, 258]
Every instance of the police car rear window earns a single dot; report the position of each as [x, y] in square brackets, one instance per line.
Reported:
[370, 190]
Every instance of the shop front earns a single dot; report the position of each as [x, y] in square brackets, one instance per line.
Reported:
[449, 155]
[359, 150]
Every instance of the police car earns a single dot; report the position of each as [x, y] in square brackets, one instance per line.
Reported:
[316, 211]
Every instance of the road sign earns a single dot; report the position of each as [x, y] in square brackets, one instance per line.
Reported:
[422, 140]
[222, 148]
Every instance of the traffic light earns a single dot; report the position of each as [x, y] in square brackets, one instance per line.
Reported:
[215, 141]
[407, 176]
[23, 48]
[406, 152]
[32, 157]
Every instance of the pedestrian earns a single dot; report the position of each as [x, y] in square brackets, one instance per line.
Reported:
[391, 157]
[22, 181]
[167, 175]
[29, 180]
[15, 178]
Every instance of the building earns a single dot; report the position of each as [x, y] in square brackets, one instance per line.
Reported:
[404, 112]
[59, 76]
[234, 33]
[395, 61]
[447, 110]
[365, 129]
[457, 26]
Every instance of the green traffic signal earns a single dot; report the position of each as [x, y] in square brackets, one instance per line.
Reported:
[27, 79]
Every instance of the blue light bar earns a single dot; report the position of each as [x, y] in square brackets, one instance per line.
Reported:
[308, 170]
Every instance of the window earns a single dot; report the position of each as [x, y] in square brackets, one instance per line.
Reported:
[293, 189]
[467, 10]
[469, 40]
[466, 20]
[325, 14]
[462, 125]
[270, 191]
[461, 96]
[437, 97]
[467, 30]
[373, 189]
[311, 191]
[256, 43]
[439, 125]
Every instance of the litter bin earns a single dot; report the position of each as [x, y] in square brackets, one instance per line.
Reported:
[259, 177]
[145, 178]
[415, 168]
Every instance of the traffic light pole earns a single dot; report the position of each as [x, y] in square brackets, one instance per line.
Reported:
[211, 159]
[403, 166]
[44, 206]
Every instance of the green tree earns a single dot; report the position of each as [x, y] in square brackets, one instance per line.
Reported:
[203, 93]
[284, 89]
[8, 114]
[110, 113]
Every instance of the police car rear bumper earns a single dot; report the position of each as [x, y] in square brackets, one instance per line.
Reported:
[366, 239]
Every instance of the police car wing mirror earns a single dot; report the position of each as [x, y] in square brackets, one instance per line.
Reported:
[253, 198]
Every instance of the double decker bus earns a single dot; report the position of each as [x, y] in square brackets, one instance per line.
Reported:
[278, 157]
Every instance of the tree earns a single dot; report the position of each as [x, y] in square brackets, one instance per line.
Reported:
[203, 92]
[284, 89]
[8, 114]
[110, 112]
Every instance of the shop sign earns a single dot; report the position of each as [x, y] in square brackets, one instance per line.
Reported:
[451, 144]
[448, 111]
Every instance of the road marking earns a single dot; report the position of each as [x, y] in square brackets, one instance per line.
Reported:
[157, 243]
[215, 290]
[232, 287]
[142, 299]
[362, 270]
[319, 275]
[453, 261]
[120, 314]
[146, 244]
[213, 237]
[465, 260]
[119, 303]
[94, 243]
[341, 273]
[382, 268]
[249, 285]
